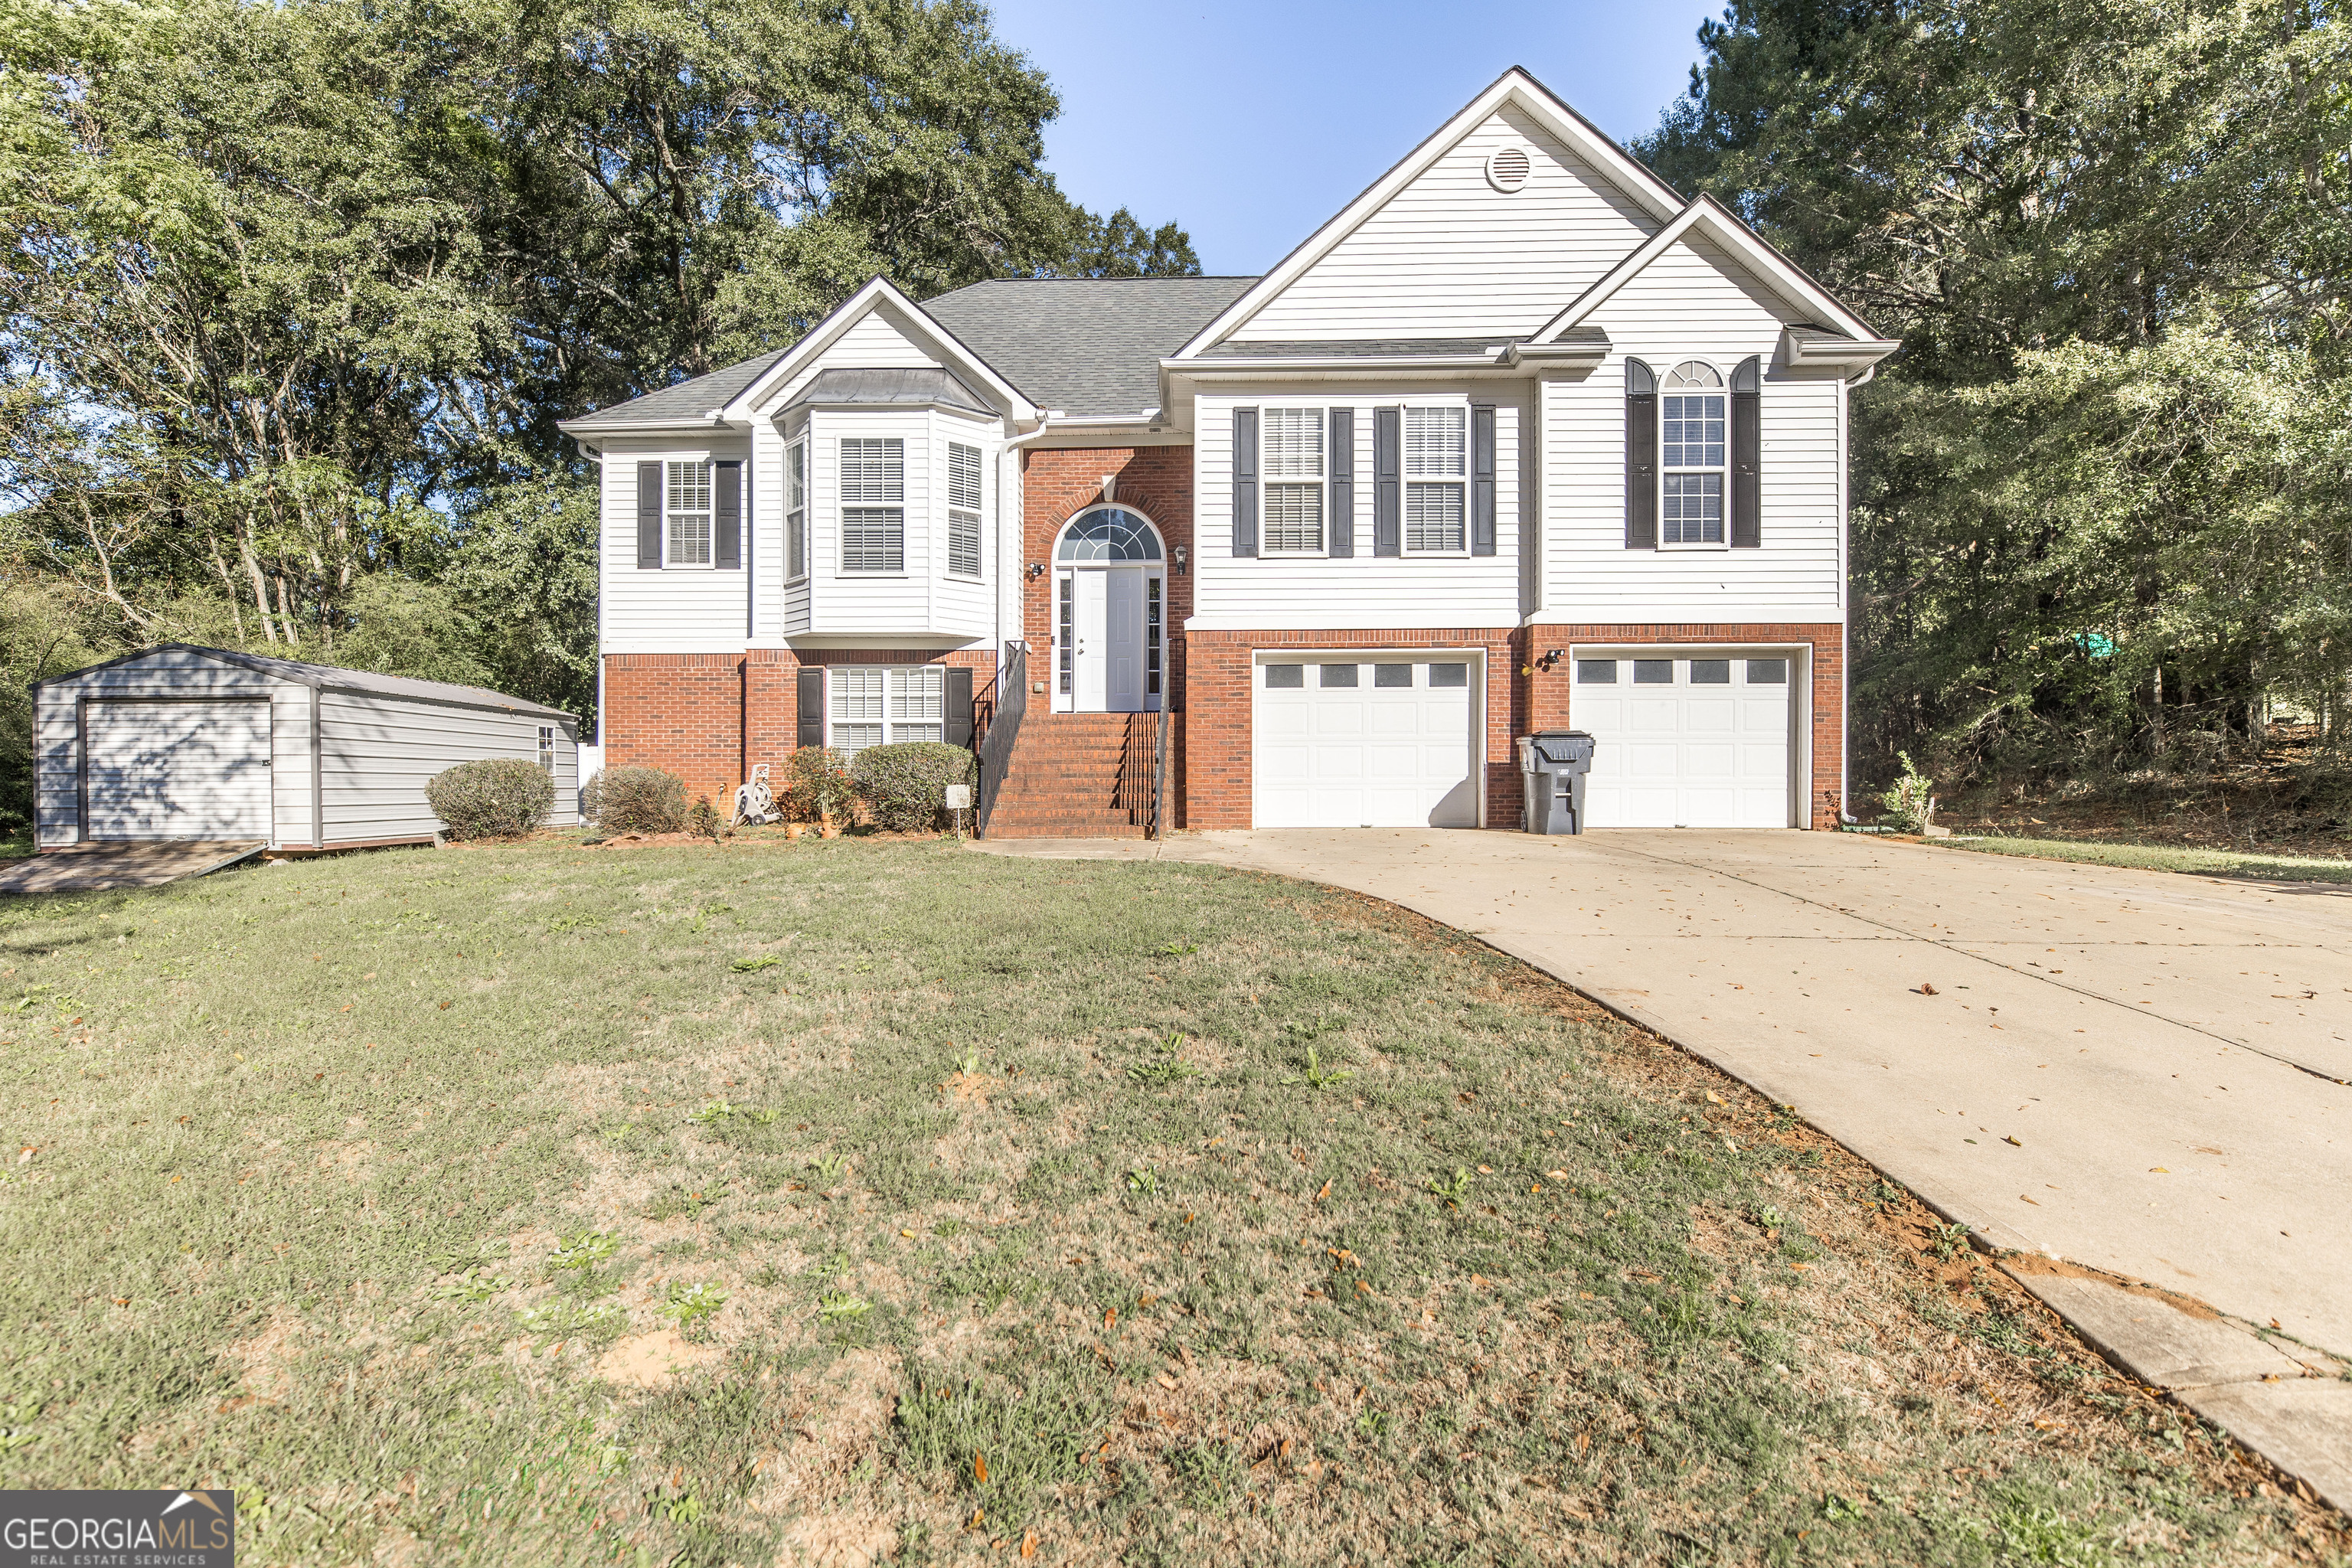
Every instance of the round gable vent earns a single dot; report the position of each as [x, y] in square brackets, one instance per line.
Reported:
[1508, 168]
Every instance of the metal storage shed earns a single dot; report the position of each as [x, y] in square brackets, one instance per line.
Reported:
[204, 743]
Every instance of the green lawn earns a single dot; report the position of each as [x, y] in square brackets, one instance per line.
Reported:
[565, 1205]
[2160, 857]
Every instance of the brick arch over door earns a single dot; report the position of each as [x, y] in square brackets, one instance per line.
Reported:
[1057, 485]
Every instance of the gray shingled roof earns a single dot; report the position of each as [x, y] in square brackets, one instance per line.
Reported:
[689, 400]
[333, 678]
[920, 388]
[1088, 346]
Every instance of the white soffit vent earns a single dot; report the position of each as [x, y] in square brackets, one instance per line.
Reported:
[1508, 167]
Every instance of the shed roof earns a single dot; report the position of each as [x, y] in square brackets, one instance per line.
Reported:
[905, 387]
[328, 677]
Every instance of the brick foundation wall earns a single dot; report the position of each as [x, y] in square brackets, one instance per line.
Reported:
[1548, 700]
[708, 717]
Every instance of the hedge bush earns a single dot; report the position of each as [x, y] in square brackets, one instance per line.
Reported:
[904, 786]
[496, 797]
[817, 784]
[635, 800]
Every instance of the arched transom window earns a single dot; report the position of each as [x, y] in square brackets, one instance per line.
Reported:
[1108, 533]
[1691, 455]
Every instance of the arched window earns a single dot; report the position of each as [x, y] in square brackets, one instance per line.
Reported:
[1108, 533]
[1691, 455]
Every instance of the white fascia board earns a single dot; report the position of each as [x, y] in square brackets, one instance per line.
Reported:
[1276, 366]
[1514, 87]
[1809, 349]
[1723, 226]
[878, 292]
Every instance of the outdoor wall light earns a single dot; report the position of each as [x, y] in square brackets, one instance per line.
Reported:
[1036, 569]
[1180, 561]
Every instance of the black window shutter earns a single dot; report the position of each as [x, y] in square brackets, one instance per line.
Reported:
[1746, 454]
[727, 526]
[1343, 483]
[1388, 499]
[1640, 456]
[1245, 482]
[649, 502]
[1482, 479]
[958, 705]
[811, 731]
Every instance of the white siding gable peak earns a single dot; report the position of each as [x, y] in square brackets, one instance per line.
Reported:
[879, 295]
[1861, 345]
[1515, 89]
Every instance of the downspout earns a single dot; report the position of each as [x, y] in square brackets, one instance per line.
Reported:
[1845, 622]
[1020, 536]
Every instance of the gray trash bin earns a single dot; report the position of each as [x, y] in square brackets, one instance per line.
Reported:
[1553, 763]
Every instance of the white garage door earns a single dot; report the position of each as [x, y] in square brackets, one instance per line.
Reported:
[1686, 743]
[1381, 740]
[179, 770]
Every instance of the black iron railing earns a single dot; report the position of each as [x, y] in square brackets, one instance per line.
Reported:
[998, 728]
[1159, 775]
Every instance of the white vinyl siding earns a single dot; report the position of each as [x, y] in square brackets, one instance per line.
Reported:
[964, 509]
[685, 515]
[1310, 591]
[1450, 257]
[688, 610]
[1291, 469]
[1693, 302]
[877, 705]
[873, 534]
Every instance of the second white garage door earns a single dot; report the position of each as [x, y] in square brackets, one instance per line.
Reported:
[1686, 743]
[179, 770]
[1375, 740]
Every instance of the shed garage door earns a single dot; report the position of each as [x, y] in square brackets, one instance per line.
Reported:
[1686, 743]
[1375, 741]
[178, 770]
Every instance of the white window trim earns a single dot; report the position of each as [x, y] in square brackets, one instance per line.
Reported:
[1322, 412]
[796, 518]
[711, 464]
[1406, 480]
[1699, 546]
[889, 725]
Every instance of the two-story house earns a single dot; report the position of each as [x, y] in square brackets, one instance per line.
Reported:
[1520, 440]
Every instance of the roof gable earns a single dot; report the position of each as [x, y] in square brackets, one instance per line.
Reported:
[1610, 184]
[910, 328]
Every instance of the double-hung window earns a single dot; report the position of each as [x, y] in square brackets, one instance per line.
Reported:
[795, 511]
[964, 510]
[1436, 466]
[686, 514]
[876, 705]
[1690, 456]
[873, 504]
[547, 749]
[1291, 469]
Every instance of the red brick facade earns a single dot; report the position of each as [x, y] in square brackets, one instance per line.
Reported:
[709, 716]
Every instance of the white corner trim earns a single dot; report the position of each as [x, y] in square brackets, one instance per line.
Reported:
[1513, 87]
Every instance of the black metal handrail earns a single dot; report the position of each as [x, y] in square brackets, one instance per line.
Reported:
[994, 741]
[1160, 775]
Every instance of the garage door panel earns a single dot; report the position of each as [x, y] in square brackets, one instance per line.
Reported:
[178, 770]
[1684, 754]
[1381, 755]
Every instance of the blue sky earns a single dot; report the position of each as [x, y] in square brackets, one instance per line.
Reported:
[1250, 123]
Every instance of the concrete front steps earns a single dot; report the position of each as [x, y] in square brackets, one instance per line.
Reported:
[1077, 775]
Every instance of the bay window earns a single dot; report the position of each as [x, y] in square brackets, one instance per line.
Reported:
[873, 504]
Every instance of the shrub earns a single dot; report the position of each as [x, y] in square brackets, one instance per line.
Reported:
[702, 818]
[1911, 803]
[497, 797]
[819, 783]
[635, 800]
[905, 785]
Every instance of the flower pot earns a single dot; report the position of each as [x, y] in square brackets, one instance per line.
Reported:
[793, 830]
[828, 828]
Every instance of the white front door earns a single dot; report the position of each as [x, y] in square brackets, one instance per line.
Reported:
[1106, 635]
[1687, 743]
[1088, 669]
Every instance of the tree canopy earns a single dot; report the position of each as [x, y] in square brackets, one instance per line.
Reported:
[296, 292]
[2098, 498]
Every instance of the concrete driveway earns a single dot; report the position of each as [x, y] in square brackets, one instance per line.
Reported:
[2137, 1071]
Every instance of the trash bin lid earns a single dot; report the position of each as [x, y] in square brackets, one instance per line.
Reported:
[1561, 746]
